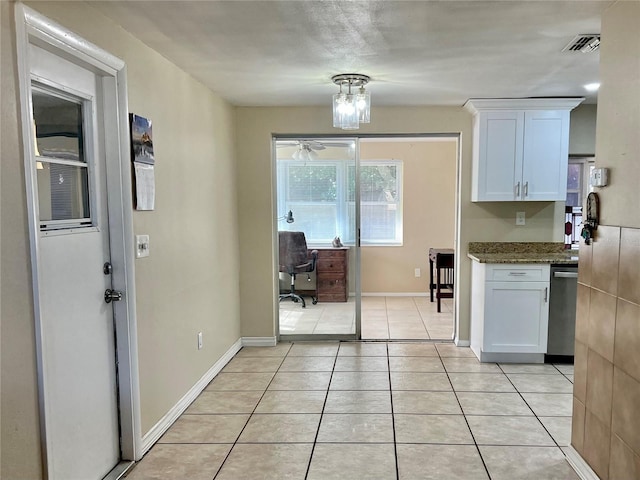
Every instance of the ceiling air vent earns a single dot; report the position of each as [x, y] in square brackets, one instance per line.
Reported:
[585, 43]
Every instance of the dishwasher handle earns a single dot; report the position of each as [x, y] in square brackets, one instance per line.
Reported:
[565, 274]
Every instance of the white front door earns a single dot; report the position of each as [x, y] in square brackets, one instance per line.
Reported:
[77, 325]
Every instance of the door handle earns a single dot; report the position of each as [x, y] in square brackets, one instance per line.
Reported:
[546, 292]
[112, 295]
[565, 274]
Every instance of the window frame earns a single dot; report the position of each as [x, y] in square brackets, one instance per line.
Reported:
[80, 224]
[342, 203]
[587, 163]
[399, 216]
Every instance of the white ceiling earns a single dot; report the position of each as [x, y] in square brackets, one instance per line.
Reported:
[283, 53]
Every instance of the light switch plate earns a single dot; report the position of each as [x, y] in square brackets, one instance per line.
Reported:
[599, 177]
[142, 246]
[520, 218]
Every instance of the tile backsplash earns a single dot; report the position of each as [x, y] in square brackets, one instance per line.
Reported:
[606, 414]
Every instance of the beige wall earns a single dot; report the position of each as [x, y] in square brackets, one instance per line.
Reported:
[478, 221]
[428, 195]
[582, 134]
[606, 424]
[190, 281]
[618, 140]
[19, 423]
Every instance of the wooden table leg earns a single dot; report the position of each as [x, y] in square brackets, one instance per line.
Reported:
[438, 286]
[431, 279]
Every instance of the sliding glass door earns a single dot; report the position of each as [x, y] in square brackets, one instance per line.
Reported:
[318, 224]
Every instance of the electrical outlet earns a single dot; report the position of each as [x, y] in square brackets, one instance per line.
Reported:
[199, 340]
[520, 218]
[417, 272]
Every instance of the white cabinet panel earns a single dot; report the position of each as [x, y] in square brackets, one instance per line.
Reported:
[517, 273]
[516, 317]
[545, 157]
[501, 145]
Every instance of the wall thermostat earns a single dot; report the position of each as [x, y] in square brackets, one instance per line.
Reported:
[599, 177]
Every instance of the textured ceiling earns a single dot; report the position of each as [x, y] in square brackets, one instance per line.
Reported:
[283, 53]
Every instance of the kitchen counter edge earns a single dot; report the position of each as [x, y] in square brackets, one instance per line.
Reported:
[565, 258]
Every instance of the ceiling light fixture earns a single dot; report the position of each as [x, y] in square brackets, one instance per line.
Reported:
[592, 87]
[351, 109]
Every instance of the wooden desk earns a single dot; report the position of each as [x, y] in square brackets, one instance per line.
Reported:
[332, 274]
[441, 260]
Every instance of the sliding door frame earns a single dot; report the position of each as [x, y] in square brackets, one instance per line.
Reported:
[457, 136]
[356, 249]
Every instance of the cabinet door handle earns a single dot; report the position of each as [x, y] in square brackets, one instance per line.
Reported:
[565, 274]
[517, 274]
[546, 291]
[526, 189]
[517, 189]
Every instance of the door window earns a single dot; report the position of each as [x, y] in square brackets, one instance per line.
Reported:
[63, 175]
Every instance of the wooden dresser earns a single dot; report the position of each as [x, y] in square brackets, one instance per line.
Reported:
[332, 272]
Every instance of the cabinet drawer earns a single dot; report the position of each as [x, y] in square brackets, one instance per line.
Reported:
[332, 297]
[517, 273]
[332, 287]
[332, 283]
[332, 261]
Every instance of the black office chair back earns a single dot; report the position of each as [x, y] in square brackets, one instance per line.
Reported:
[293, 253]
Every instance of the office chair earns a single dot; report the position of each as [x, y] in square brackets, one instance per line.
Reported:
[293, 259]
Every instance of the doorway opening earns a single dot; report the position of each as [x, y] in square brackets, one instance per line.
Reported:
[395, 272]
[374, 283]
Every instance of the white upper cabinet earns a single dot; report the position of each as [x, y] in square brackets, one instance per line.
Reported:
[520, 149]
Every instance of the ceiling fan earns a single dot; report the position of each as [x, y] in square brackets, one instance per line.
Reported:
[312, 144]
[306, 149]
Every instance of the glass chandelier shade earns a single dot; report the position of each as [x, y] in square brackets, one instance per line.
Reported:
[351, 109]
[363, 103]
[345, 111]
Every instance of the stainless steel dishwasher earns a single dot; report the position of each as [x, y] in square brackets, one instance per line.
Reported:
[562, 311]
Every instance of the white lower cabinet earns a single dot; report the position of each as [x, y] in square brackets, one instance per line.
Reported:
[509, 312]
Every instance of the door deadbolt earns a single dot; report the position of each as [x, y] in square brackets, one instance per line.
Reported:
[107, 268]
[112, 295]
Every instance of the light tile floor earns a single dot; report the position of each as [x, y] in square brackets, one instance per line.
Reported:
[404, 318]
[372, 410]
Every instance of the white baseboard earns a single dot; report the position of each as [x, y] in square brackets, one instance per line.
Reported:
[579, 464]
[259, 341]
[153, 435]
[461, 343]
[396, 294]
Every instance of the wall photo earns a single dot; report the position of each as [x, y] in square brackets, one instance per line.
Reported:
[143, 162]
[141, 140]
